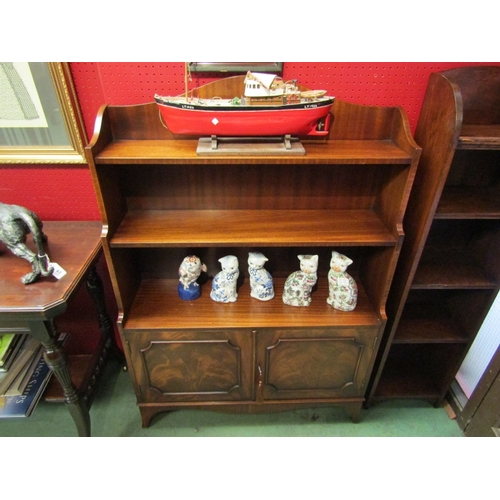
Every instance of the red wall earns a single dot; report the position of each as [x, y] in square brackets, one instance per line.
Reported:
[66, 192]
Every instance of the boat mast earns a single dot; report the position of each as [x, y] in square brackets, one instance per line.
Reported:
[187, 77]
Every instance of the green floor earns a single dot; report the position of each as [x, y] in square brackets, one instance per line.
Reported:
[114, 413]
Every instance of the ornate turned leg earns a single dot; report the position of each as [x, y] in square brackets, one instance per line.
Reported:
[96, 291]
[57, 362]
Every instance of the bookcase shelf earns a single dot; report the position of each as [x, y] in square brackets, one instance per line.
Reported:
[479, 136]
[194, 228]
[469, 203]
[156, 305]
[448, 273]
[428, 323]
[451, 275]
[164, 152]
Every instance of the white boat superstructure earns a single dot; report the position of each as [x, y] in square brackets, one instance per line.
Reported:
[266, 85]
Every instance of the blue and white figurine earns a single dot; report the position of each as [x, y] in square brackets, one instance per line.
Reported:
[261, 281]
[225, 281]
[189, 271]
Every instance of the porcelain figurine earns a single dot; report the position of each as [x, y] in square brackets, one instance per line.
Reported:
[189, 271]
[261, 281]
[298, 286]
[343, 290]
[225, 281]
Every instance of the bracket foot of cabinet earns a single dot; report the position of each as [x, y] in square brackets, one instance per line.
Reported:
[148, 411]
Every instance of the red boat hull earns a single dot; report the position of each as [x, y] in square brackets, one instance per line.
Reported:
[313, 119]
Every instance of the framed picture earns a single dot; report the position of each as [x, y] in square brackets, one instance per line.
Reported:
[40, 121]
[236, 67]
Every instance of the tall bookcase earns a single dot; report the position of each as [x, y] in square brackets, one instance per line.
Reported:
[449, 271]
[160, 202]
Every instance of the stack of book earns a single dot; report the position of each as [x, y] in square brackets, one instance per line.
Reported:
[24, 374]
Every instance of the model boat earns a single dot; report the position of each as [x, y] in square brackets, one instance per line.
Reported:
[266, 106]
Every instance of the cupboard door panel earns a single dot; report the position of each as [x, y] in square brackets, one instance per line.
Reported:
[194, 366]
[316, 363]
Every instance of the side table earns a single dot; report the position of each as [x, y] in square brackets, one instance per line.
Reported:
[76, 247]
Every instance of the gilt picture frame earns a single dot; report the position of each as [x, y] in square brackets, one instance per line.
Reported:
[40, 119]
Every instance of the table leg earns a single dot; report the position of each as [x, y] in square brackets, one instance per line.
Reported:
[57, 362]
[96, 291]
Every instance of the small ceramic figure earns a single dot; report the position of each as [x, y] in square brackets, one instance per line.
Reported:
[189, 271]
[298, 286]
[343, 291]
[225, 281]
[261, 281]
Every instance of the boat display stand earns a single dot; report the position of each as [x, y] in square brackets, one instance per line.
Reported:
[263, 146]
